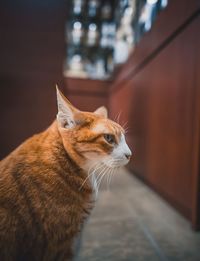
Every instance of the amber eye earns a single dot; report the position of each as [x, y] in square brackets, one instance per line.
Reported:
[109, 138]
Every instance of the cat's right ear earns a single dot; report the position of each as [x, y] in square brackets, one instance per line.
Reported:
[66, 111]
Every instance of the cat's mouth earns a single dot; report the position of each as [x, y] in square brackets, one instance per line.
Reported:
[116, 163]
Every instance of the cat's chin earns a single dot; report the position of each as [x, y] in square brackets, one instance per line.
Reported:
[103, 162]
[116, 164]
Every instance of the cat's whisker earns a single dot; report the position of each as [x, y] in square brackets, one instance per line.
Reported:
[96, 179]
[98, 171]
[102, 174]
[95, 167]
[90, 173]
[113, 170]
[85, 180]
[102, 171]
[125, 126]
[114, 118]
[118, 117]
[126, 130]
[115, 167]
[108, 178]
[108, 175]
[109, 181]
[113, 163]
[112, 175]
[101, 178]
[110, 169]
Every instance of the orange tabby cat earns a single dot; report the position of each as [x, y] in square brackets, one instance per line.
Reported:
[45, 187]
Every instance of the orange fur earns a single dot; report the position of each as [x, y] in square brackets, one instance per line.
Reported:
[42, 208]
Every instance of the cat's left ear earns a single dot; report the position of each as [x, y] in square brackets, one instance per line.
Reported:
[102, 111]
[66, 111]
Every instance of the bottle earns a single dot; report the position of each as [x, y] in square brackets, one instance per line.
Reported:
[77, 32]
[92, 35]
[75, 28]
[106, 11]
[77, 7]
[93, 8]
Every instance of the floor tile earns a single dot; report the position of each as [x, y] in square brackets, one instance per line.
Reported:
[131, 222]
[116, 240]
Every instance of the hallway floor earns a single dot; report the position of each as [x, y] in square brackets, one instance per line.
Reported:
[131, 222]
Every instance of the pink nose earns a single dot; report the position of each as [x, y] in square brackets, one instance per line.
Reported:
[128, 156]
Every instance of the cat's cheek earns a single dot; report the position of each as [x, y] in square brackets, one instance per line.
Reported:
[92, 158]
[91, 155]
[122, 153]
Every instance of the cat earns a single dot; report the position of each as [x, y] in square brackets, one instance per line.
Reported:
[48, 183]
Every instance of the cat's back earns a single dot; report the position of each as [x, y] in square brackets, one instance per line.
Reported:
[33, 169]
[38, 195]
[16, 196]
[33, 155]
[23, 153]
[19, 162]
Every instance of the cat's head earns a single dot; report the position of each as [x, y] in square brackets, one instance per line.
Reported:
[90, 137]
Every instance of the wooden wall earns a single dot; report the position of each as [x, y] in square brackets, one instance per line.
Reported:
[31, 59]
[158, 91]
[87, 94]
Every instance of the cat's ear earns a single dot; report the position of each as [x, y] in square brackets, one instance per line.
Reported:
[102, 111]
[66, 111]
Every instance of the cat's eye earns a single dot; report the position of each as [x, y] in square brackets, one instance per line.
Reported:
[109, 138]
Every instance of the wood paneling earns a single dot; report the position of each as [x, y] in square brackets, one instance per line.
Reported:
[87, 94]
[160, 101]
[32, 52]
[26, 108]
[196, 139]
[87, 85]
[168, 22]
[87, 102]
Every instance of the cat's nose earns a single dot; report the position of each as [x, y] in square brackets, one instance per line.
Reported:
[128, 155]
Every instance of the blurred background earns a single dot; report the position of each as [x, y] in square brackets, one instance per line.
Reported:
[141, 59]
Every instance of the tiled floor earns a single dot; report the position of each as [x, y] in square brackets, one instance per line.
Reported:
[130, 222]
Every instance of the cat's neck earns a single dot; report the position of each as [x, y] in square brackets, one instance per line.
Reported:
[53, 139]
[63, 159]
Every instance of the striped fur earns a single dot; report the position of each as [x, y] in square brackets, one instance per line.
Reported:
[42, 208]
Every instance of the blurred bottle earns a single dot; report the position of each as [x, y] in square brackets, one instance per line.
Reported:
[93, 8]
[92, 35]
[107, 45]
[75, 64]
[78, 8]
[107, 11]
[77, 33]
[75, 26]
